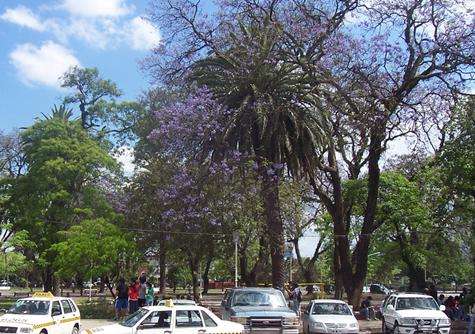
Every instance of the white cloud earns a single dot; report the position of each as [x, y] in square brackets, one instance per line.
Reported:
[24, 17]
[96, 8]
[141, 34]
[42, 65]
[125, 156]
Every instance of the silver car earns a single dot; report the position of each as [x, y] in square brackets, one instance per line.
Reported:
[260, 310]
[329, 316]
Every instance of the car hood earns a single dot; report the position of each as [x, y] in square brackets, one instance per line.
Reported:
[9, 319]
[418, 314]
[232, 326]
[262, 311]
[333, 318]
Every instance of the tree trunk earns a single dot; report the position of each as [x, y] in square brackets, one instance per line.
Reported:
[163, 265]
[194, 268]
[275, 228]
[107, 282]
[262, 258]
[243, 268]
[209, 260]
[48, 284]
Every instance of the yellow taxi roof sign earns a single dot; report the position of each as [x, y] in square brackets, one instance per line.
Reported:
[43, 295]
[169, 303]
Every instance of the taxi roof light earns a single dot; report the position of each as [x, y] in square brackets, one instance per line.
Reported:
[169, 303]
[43, 295]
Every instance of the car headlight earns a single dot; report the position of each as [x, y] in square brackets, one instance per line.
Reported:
[239, 320]
[291, 321]
[353, 325]
[408, 321]
[318, 325]
[444, 321]
[26, 330]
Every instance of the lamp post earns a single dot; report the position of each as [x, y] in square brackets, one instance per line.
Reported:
[236, 241]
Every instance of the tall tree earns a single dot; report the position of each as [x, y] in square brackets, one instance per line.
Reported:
[57, 190]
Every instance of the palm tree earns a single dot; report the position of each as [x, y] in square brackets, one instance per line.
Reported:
[60, 112]
[270, 119]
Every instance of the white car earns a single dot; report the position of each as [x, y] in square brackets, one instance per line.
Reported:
[329, 316]
[410, 313]
[170, 319]
[42, 314]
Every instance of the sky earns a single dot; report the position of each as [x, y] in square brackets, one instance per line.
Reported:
[40, 40]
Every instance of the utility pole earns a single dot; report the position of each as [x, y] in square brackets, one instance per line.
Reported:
[236, 241]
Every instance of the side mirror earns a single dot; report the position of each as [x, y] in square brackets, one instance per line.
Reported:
[442, 308]
[390, 307]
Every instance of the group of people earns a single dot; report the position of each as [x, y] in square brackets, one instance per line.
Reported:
[129, 298]
[454, 305]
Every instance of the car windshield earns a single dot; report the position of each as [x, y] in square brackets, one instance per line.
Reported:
[331, 308]
[132, 319]
[258, 298]
[416, 303]
[31, 307]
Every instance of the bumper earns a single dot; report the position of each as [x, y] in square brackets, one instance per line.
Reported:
[424, 330]
[334, 331]
[248, 330]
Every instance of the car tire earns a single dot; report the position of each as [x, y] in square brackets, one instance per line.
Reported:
[384, 328]
[75, 330]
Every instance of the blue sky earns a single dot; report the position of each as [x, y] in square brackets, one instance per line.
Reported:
[39, 40]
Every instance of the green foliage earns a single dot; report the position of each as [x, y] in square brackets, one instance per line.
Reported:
[93, 248]
[97, 309]
[59, 188]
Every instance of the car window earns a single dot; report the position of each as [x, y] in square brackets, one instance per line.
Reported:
[331, 309]
[71, 304]
[416, 303]
[133, 318]
[258, 298]
[209, 322]
[33, 307]
[56, 309]
[66, 306]
[158, 319]
[191, 318]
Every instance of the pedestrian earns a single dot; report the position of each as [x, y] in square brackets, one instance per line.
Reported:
[142, 289]
[367, 309]
[133, 296]
[296, 296]
[149, 296]
[121, 302]
[441, 299]
[433, 291]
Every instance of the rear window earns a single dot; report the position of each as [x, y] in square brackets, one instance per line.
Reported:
[66, 306]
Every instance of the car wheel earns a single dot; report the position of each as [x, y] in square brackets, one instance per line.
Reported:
[384, 329]
[75, 330]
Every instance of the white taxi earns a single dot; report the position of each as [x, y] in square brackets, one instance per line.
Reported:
[170, 319]
[42, 314]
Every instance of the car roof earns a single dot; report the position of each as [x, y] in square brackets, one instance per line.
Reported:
[335, 301]
[45, 299]
[168, 308]
[413, 295]
[252, 289]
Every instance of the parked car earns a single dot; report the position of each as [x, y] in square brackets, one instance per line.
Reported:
[42, 313]
[413, 313]
[170, 318]
[379, 289]
[259, 310]
[329, 316]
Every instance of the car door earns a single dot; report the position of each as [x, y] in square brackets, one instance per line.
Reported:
[157, 322]
[69, 319]
[306, 315]
[59, 326]
[189, 321]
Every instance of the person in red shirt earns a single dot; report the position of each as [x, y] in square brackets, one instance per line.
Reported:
[133, 296]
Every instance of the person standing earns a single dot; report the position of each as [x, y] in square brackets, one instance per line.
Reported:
[133, 296]
[296, 296]
[150, 294]
[121, 302]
